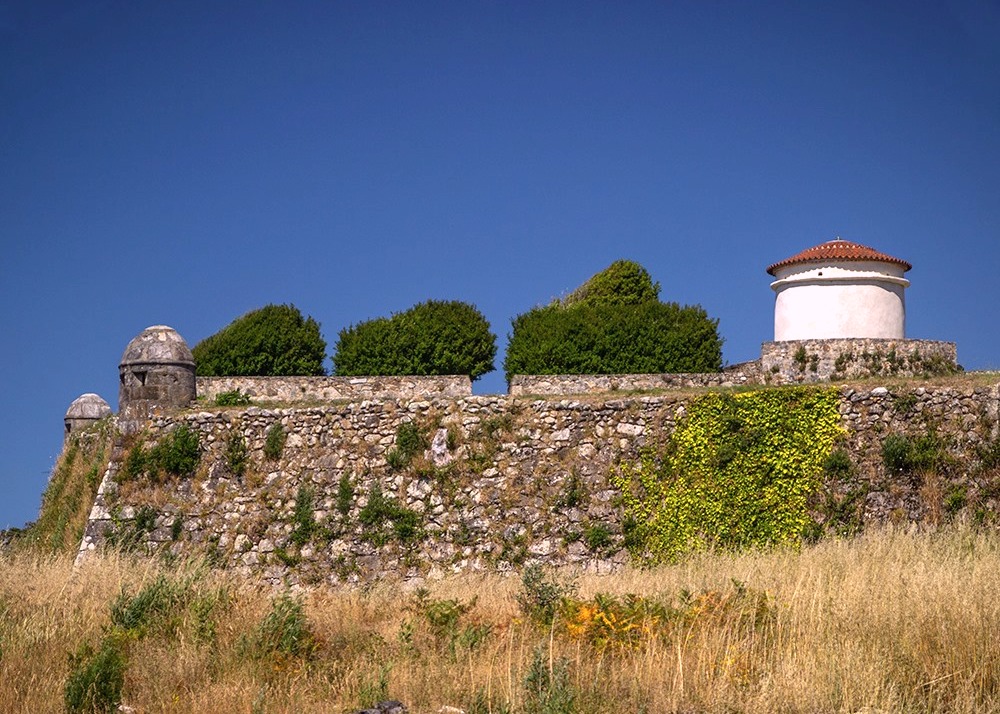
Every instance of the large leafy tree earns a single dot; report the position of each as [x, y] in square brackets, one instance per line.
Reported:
[431, 338]
[614, 324]
[275, 340]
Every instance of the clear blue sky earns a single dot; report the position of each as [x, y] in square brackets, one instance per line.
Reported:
[186, 162]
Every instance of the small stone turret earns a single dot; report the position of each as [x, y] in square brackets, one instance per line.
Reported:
[84, 411]
[156, 373]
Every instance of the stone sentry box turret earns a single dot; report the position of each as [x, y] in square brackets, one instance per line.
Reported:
[87, 409]
[156, 373]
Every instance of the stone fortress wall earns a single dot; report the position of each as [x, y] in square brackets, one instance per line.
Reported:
[786, 362]
[793, 361]
[291, 390]
[505, 480]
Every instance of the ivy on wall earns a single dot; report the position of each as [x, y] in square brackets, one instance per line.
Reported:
[737, 472]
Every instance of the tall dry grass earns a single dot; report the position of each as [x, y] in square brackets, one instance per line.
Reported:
[889, 622]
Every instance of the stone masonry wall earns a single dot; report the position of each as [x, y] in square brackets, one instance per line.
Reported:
[503, 480]
[560, 384]
[290, 390]
[791, 361]
[786, 362]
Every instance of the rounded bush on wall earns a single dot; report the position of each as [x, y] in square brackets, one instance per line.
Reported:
[432, 338]
[596, 330]
[273, 341]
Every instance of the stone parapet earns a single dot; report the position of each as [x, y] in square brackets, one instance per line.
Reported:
[794, 361]
[566, 384]
[292, 390]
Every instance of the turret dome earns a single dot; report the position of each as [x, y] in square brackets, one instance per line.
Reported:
[88, 406]
[84, 411]
[158, 344]
[156, 373]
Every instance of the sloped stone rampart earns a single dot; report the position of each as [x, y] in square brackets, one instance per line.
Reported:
[292, 390]
[512, 480]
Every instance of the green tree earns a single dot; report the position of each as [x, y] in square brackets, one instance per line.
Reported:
[431, 338]
[275, 340]
[614, 324]
[624, 282]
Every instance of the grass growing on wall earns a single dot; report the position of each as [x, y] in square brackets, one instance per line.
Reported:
[72, 489]
[737, 472]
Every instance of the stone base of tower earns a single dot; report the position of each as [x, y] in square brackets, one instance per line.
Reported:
[791, 361]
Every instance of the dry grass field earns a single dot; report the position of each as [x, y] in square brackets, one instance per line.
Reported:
[890, 621]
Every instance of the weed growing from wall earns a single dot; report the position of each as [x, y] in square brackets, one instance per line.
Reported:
[410, 441]
[843, 361]
[838, 465]
[345, 495]
[302, 517]
[904, 403]
[382, 519]
[840, 499]
[801, 358]
[738, 471]
[237, 456]
[176, 454]
[902, 454]
[135, 464]
[988, 455]
[274, 442]
[130, 534]
[179, 453]
[232, 398]
[598, 539]
[574, 493]
[485, 440]
[955, 500]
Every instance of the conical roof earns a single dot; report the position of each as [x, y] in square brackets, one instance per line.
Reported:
[838, 249]
[158, 344]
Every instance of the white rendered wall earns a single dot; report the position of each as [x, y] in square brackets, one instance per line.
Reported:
[842, 300]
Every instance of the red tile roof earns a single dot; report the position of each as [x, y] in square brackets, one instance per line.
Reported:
[838, 250]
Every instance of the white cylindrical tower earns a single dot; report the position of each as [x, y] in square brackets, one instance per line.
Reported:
[839, 289]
